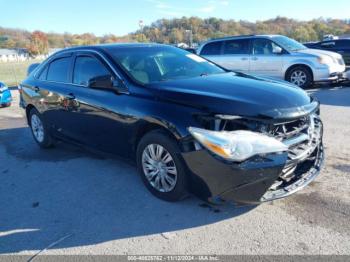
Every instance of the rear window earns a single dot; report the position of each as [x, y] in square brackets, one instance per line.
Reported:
[240, 46]
[58, 70]
[213, 48]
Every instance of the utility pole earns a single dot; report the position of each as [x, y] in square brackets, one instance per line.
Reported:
[141, 25]
[189, 36]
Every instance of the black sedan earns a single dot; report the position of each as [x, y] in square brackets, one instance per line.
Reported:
[190, 125]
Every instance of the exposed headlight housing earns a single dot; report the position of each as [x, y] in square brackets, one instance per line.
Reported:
[237, 145]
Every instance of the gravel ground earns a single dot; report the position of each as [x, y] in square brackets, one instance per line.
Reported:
[69, 201]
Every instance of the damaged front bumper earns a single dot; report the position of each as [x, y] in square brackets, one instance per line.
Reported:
[260, 178]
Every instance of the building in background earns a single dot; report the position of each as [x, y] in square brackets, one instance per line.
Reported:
[14, 55]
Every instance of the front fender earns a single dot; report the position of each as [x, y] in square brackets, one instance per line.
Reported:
[300, 61]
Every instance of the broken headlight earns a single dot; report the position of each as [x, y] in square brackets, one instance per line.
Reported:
[237, 145]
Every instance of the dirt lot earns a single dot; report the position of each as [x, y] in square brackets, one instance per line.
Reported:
[74, 202]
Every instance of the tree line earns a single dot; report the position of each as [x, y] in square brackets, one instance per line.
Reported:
[178, 30]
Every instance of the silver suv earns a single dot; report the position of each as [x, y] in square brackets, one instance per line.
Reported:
[275, 56]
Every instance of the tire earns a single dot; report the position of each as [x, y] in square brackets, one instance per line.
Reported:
[169, 191]
[300, 76]
[44, 139]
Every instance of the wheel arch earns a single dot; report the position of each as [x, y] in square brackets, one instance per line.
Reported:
[29, 107]
[147, 127]
[290, 68]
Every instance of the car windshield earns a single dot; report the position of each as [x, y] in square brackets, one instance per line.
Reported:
[288, 43]
[149, 64]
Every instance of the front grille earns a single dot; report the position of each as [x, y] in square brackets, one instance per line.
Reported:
[303, 136]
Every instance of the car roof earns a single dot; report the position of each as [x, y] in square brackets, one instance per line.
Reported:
[110, 46]
[240, 36]
[233, 38]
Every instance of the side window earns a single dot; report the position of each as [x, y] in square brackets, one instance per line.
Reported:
[240, 46]
[58, 70]
[87, 68]
[213, 48]
[265, 47]
[328, 45]
[43, 73]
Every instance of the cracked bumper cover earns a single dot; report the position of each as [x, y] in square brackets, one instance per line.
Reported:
[248, 182]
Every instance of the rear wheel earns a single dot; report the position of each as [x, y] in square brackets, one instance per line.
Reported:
[161, 166]
[300, 76]
[39, 130]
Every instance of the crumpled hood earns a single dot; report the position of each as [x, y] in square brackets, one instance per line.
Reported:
[237, 94]
[318, 52]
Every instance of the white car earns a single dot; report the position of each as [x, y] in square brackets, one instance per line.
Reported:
[275, 56]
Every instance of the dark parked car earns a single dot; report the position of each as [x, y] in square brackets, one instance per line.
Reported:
[341, 46]
[190, 125]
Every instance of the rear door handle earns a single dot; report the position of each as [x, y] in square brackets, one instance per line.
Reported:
[255, 58]
[244, 59]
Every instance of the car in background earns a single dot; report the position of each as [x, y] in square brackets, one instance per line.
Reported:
[340, 46]
[191, 50]
[190, 125]
[5, 95]
[275, 56]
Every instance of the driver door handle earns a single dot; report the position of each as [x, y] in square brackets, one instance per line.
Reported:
[255, 58]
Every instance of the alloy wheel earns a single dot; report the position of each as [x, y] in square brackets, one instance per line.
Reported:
[37, 128]
[159, 168]
[298, 78]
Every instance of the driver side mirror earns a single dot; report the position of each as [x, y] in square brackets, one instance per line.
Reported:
[277, 50]
[105, 82]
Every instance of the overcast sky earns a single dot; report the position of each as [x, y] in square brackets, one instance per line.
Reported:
[122, 16]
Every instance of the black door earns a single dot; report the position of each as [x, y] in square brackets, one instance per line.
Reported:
[55, 90]
[99, 116]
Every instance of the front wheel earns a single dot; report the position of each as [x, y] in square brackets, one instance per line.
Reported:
[161, 166]
[300, 76]
[39, 130]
